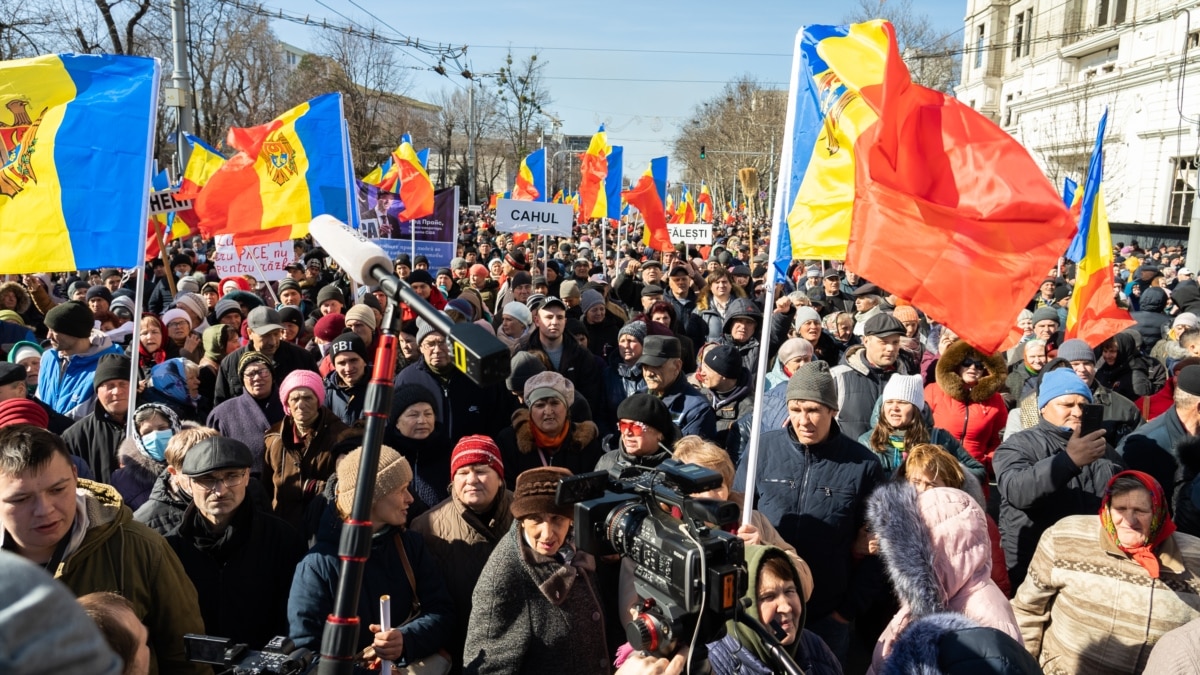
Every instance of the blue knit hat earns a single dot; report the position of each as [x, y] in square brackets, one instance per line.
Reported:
[1061, 382]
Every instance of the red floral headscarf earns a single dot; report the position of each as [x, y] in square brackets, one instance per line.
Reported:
[1161, 525]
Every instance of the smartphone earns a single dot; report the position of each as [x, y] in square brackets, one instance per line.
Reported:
[1093, 419]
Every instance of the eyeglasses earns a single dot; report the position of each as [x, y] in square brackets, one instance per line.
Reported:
[433, 345]
[256, 374]
[211, 483]
[181, 323]
[632, 428]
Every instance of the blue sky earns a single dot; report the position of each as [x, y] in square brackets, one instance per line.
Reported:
[574, 38]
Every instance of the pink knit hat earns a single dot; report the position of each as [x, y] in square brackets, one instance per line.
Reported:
[302, 378]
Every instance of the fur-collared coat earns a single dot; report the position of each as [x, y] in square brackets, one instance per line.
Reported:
[579, 452]
[975, 416]
[938, 556]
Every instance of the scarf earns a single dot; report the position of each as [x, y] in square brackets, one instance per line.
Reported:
[1161, 525]
[551, 444]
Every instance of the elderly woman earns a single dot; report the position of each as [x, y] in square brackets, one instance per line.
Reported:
[936, 548]
[1101, 591]
[144, 457]
[249, 416]
[422, 440]
[543, 434]
[793, 353]
[462, 531]
[623, 377]
[180, 333]
[966, 399]
[399, 565]
[535, 608]
[515, 320]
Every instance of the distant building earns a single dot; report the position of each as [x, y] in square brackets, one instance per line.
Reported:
[1045, 70]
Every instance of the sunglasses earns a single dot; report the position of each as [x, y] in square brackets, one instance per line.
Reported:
[972, 363]
[632, 428]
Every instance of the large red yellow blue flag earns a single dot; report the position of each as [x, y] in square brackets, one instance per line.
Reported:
[1093, 314]
[704, 203]
[531, 178]
[76, 142]
[285, 173]
[614, 182]
[593, 168]
[864, 140]
[416, 188]
[203, 163]
[648, 196]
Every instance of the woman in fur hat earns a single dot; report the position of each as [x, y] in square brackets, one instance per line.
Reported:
[966, 399]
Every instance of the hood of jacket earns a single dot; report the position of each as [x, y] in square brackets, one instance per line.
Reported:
[106, 513]
[133, 456]
[23, 299]
[579, 436]
[741, 308]
[1186, 295]
[952, 644]
[935, 544]
[951, 382]
[1153, 299]
[755, 557]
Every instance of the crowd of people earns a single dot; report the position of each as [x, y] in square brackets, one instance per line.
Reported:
[918, 504]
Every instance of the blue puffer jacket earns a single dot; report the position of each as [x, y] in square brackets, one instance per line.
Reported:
[816, 497]
[69, 391]
[690, 411]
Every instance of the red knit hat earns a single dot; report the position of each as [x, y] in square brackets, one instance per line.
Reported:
[476, 450]
[330, 326]
[22, 411]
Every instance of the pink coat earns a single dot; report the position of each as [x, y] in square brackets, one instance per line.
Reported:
[939, 558]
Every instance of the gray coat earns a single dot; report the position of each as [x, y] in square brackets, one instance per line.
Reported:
[516, 627]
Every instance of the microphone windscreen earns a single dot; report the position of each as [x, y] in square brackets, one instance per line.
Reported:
[353, 253]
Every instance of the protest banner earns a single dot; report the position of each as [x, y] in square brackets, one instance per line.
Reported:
[553, 220]
[257, 261]
[433, 237]
[699, 234]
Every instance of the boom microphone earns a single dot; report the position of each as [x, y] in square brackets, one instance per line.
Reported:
[477, 353]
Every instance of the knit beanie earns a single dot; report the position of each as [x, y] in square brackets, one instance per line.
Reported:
[330, 292]
[362, 314]
[424, 330]
[420, 277]
[1076, 350]
[524, 366]
[1061, 382]
[725, 361]
[122, 306]
[406, 397]
[569, 289]
[394, 473]
[794, 347]
[535, 492]
[111, 367]
[330, 326]
[23, 350]
[519, 312]
[804, 314]
[589, 299]
[1185, 319]
[287, 284]
[291, 315]
[11, 317]
[905, 388]
[101, 292]
[23, 411]
[635, 328]
[1045, 314]
[549, 384]
[460, 305]
[225, 306]
[187, 284]
[214, 340]
[250, 357]
[812, 382]
[192, 302]
[302, 378]
[651, 411]
[476, 449]
[11, 373]
[906, 313]
[172, 315]
[478, 269]
[71, 318]
[348, 342]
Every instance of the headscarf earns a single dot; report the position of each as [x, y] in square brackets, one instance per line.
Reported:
[145, 358]
[1161, 525]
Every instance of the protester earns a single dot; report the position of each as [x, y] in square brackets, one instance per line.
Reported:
[662, 369]
[544, 433]
[266, 337]
[143, 458]
[68, 368]
[422, 441]
[860, 380]
[97, 436]
[966, 400]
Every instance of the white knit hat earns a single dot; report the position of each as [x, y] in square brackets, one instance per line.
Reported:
[905, 388]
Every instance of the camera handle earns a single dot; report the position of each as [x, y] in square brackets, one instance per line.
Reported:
[774, 648]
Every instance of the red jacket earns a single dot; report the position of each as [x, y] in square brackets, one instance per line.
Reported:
[976, 416]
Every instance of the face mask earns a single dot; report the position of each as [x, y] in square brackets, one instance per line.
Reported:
[201, 257]
[155, 444]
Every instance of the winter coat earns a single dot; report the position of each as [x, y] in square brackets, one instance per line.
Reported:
[949, 643]
[1039, 485]
[164, 507]
[1087, 607]
[243, 419]
[1131, 374]
[1152, 323]
[774, 415]
[580, 367]
[1121, 416]
[295, 471]
[743, 308]
[461, 541]
[96, 438]
[1152, 449]
[859, 385]
[688, 317]
[579, 452]
[536, 614]
[741, 650]
[975, 417]
[346, 402]
[730, 406]
[315, 586]
[68, 390]
[463, 408]
[137, 475]
[125, 557]
[938, 555]
[288, 357]
[602, 337]
[816, 497]
[689, 409]
[1177, 652]
[622, 381]
[243, 576]
[892, 459]
[429, 459]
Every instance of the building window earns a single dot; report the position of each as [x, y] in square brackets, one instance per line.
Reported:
[1183, 191]
[1193, 40]
[979, 47]
[1110, 12]
[1022, 34]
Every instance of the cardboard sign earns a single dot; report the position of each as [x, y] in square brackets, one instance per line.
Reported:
[257, 261]
[691, 233]
[544, 218]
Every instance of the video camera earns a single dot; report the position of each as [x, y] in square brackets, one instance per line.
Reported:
[278, 657]
[688, 576]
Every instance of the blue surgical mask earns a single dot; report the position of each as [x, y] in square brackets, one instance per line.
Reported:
[155, 443]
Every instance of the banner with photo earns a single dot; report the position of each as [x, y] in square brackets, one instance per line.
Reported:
[433, 237]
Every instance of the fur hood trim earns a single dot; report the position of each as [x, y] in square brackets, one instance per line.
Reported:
[131, 455]
[951, 382]
[23, 299]
[580, 435]
[906, 547]
[916, 651]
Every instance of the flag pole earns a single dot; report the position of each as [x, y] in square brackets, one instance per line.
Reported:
[777, 220]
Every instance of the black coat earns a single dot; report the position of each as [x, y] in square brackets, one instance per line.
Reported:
[288, 357]
[243, 577]
[96, 438]
[164, 509]
[580, 367]
[463, 407]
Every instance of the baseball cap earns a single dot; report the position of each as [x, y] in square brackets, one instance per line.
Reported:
[263, 320]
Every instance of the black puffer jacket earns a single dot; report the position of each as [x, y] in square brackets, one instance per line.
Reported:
[164, 509]
[1152, 323]
[1187, 498]
[1130, 375]
[1039, 485]
[859, 385]
[816, 497]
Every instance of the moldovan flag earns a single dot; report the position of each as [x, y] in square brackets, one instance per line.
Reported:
[613, 182]
[416, 189]
[1093, 314]
[285, 173]
[75, 161]
[593, 168]
[203, 162]
[531, 178]
[648, 196]
[705, 203]
[949, 212]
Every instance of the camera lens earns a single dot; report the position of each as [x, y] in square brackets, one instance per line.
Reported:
[623, 524]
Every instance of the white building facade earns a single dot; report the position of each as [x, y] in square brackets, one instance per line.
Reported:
[1045, 71]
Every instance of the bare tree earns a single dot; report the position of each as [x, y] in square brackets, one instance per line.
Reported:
[931, 54]
[109, 26]
[24, 30]
[523, 95]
